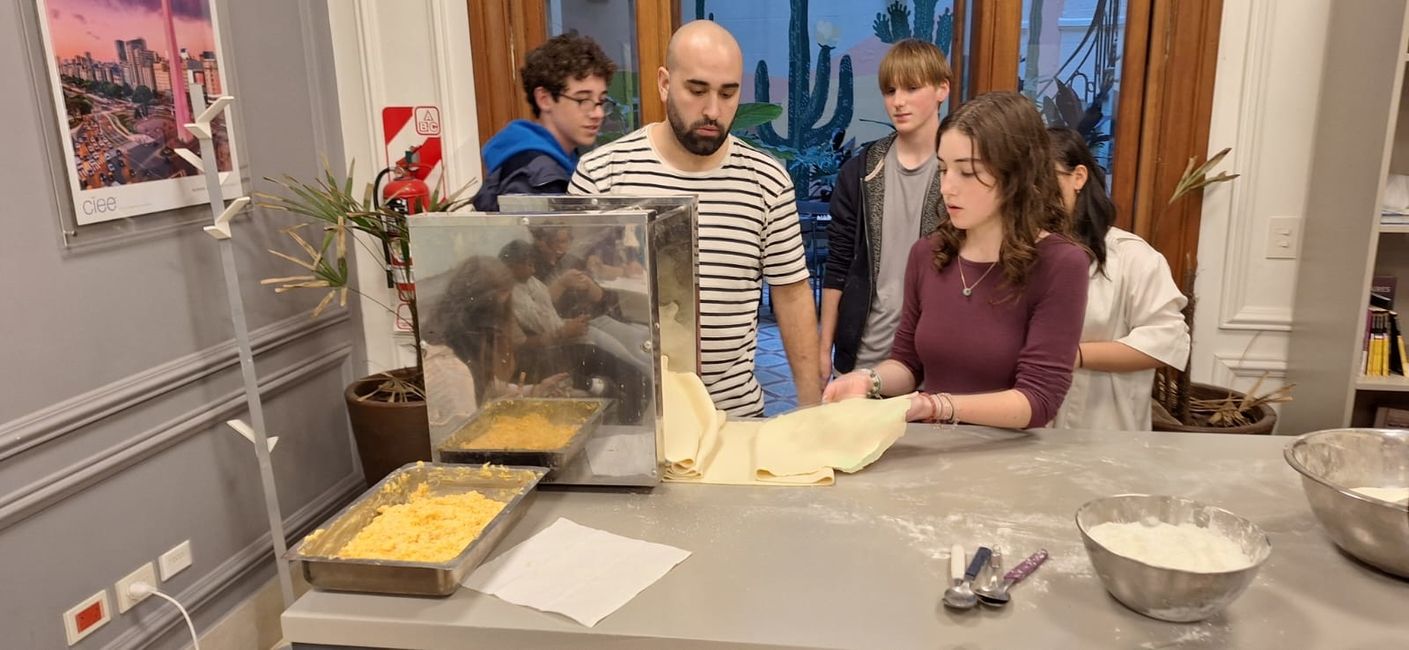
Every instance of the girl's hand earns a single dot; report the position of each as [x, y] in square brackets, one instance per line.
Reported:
[921, 408]
[852, 384]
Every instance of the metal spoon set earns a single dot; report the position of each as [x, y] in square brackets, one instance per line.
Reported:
[993, 592]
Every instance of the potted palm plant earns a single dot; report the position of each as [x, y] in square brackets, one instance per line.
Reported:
[1184, 405]
[387, 409]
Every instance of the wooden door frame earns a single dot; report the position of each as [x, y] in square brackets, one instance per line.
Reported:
[1164, 116]
[1130, 112]
[656, 21]
[502, 31]
[1175, 126]
[995, 46]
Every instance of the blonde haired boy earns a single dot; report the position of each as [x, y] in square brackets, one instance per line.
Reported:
[885, 198]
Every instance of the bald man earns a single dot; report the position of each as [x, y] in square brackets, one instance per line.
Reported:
[748, 225]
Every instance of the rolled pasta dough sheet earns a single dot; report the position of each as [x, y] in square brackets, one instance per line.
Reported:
[734, 462]
[801, 448]
[690, 421]
[846, 435]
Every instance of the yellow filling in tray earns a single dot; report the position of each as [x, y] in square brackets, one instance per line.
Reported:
[418, 531]
[537, 432]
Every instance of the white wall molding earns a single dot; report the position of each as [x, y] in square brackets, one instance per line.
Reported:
[59, 485]
[1239, 372]
[450, 26]
[75, 413]
[357, 64]
[311, 63]
[407, 53]
[233, 570]
[1235, 311]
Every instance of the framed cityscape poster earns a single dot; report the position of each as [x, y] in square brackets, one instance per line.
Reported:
[119, 70]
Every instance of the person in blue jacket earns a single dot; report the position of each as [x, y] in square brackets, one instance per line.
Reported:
[565, 83]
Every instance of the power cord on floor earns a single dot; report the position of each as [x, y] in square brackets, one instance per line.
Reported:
[141, 590]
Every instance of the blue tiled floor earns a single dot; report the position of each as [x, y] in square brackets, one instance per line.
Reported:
[779, 394]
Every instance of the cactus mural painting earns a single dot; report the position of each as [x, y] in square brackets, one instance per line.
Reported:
[894, 24]
[806, 135]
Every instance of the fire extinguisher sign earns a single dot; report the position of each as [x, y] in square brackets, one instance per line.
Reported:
[405, 127]
[412, 128]
[427, 120]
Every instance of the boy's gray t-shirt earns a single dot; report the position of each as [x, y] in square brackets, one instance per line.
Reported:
[900, 226]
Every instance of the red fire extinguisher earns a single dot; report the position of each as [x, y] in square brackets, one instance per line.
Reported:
[407, 194]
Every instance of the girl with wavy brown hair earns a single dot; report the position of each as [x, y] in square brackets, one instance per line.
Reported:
[994, 299]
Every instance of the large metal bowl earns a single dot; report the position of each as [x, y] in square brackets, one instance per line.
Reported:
[1334, 462]
[1162, 593]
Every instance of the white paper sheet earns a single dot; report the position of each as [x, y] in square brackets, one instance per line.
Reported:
[580, 572]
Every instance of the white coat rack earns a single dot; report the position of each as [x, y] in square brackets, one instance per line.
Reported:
[263, 445]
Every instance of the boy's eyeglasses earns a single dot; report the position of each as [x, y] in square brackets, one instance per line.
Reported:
[587, 104]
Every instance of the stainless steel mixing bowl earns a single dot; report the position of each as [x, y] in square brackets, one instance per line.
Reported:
[1163, 593]
[1334, 462]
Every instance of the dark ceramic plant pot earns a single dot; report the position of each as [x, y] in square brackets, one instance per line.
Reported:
[388, 434]
[1263, 418]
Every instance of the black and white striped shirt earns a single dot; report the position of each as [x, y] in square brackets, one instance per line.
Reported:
[748, 232]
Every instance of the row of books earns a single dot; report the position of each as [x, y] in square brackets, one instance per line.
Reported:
[1383, 352]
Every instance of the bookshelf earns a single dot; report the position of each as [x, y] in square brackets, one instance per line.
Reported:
[1361, 138]
[1391, 384]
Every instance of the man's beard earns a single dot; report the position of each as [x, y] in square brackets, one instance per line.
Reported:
[686, 136]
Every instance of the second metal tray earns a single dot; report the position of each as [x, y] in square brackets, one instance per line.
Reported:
[585, 414]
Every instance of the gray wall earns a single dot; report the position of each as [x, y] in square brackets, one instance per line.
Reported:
[119, 366]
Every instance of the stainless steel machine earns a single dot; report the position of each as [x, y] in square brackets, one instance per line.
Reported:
[553, 318]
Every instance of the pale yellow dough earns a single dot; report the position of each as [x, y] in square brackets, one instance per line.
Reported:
[801, 448]
[691, 423]
[846, 435]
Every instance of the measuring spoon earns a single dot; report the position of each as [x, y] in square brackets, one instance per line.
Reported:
[999, 597]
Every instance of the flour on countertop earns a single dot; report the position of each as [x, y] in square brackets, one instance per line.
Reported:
[1185, 547]
[1192, 635]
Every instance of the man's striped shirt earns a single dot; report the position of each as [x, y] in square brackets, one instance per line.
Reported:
[748, 232]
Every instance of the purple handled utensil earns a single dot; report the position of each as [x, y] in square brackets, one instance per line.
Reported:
[999, 597]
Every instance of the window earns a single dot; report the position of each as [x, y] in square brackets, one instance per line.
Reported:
[810, 94]
[1069, 64]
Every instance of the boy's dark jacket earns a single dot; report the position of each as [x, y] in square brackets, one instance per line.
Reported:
[523, 158]
[854, 242]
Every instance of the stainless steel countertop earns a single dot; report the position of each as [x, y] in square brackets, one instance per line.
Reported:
[862, 564]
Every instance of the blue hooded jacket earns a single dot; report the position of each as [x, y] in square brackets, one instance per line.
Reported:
[523, 158]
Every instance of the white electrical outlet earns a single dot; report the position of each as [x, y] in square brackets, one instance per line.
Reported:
[145, 573]
[89, 615]
[1283, 237]
[173, 561]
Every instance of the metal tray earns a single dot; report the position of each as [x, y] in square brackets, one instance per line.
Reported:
[324, 571]
[556, 409]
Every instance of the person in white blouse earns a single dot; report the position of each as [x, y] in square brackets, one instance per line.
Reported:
[1134, 321]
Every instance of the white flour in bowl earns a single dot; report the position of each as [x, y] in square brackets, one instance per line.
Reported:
[1399, 495]
[1184, 547]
